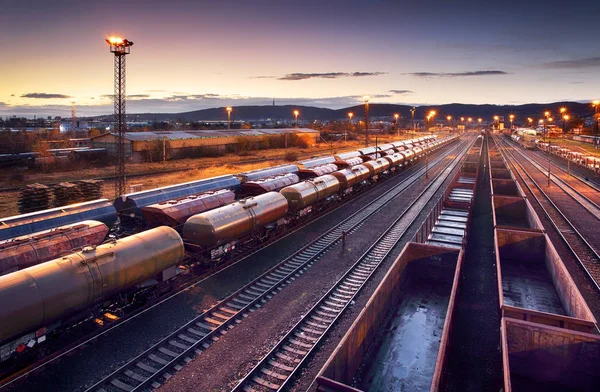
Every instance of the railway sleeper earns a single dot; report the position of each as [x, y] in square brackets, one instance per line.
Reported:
[333, 304]
[302, 335]
[287, 358]
[328, 309]
[121, 385]
[187, 339]
[265, 383]
[300, 344]
[147, 368]
[254, 291]
[178, 345]
[281, 366]
[311, 331]
[316, 325]
[228, 310]
[168, 352]
[273, 374]
[292, 350]
[135, 376]
[220, 316]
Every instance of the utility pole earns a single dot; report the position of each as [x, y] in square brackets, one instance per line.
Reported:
[120, 48]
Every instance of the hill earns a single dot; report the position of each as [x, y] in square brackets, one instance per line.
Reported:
[309, 113]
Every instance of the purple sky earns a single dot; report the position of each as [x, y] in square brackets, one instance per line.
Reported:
[191, 55]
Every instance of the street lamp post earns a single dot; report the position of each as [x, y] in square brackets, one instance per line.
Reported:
[412, 113]
[351, 125]
[296, 113]
[366, 99]
[396, 117]
[229, 109]
[511, 118]
[449, 118]
[432, 114]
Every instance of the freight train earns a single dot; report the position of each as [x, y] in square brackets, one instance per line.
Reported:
[207, 219]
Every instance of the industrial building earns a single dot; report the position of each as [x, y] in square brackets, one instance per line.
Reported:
[145, 146]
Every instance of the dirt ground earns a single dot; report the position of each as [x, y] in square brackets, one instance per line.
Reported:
[188, 169]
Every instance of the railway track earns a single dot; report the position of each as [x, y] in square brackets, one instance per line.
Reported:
[588, 190]
[157, 364]
[280, 365]
[583, 251]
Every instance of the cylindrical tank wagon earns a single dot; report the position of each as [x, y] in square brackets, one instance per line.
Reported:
[309, 192]
[41, 295]
[225, 226]
[26, 251]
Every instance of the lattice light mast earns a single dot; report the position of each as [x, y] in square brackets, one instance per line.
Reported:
[120, 47]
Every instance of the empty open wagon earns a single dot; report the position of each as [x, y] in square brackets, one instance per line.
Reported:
[398, 341]
[534, 284]
[543, 358]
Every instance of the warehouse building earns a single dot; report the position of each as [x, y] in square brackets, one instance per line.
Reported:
[150, 146]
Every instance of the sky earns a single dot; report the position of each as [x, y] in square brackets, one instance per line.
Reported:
[196, 54]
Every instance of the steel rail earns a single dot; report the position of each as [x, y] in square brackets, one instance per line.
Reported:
[193, 284]
[580, 198]
[181, 346]
[290, 353]
[591, 266]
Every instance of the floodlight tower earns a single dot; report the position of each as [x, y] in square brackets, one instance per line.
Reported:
[120, 47]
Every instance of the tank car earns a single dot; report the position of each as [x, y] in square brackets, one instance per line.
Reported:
[395, 159]
[301, 197]
[130, 206]
[57, 291]
[26, 251]
[174, 213]
[15, 226]
[273, 184]
[221, 229]
[351, 178]
[317, 171]
[377, 167]
[268, 172]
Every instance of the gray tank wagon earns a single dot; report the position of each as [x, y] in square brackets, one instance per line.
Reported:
[38, 296]
[230, 222]
[309, 192]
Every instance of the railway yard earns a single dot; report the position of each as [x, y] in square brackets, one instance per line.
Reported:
[443, 262]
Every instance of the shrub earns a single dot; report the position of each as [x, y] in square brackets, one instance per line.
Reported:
[291, 156]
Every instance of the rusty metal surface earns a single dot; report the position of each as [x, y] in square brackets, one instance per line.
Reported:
[42, 294]
[234, 220]
[26, 251]
[309, 192]
[174, 213]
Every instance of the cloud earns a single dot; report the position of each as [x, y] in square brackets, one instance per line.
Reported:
[402, 92]
[326, 75]
[456, 74]
[263, 77]
[590, 62]
[12, 95]
[137, 96]
[45, 96]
